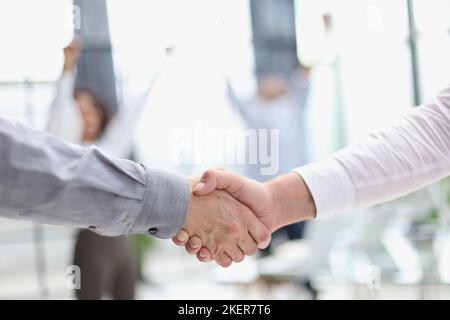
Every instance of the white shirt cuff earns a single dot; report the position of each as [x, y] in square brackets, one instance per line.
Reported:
[330, 186]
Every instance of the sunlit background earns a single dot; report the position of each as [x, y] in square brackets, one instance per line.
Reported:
[367, 61]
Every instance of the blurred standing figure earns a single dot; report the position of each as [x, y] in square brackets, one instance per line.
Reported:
[107, 263]
[279, 105]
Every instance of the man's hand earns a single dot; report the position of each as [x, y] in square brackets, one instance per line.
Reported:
[225, 226]
[71, 55]
[277, 203]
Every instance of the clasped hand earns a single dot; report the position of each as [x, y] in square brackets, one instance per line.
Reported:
[231, 216]
[225, 226]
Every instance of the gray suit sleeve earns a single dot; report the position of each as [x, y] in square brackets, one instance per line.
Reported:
[50, 181]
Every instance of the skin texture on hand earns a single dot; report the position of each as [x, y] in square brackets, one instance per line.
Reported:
[225, 226]
[277, 203]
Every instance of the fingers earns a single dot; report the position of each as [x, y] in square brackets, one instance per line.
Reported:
[248, 246]
[204, 255]
[236, 254]
[260, 234]
[223, 259]
[228, 228]
[256, 196]
[245, 247]
[194, 245]
[218, 179]
[181, 238]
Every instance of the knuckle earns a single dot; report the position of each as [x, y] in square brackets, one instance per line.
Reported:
[208, 174]
[222, 243]
[216, 252]
[195, 242]
[232, 227]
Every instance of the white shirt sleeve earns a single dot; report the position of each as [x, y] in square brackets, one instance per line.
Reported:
[405, 156]
[65, 119]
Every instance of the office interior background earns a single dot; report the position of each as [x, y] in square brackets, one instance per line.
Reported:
[366, 62]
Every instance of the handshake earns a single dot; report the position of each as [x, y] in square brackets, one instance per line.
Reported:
[230, 216]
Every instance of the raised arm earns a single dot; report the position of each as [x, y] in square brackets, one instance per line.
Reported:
[65, 119]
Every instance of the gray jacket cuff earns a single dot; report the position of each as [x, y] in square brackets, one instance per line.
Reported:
[164, 206]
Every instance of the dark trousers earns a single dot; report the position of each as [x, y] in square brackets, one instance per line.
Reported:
[108, 267]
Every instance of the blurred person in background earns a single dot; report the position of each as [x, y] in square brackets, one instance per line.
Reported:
[78, 116]
[278, 105]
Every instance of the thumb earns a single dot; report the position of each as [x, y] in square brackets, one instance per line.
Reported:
[206, 185]
[218, 179]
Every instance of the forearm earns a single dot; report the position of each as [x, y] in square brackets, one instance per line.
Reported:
[65, 119]
[408, 155]
[65, 85]
[291, 198]
[47, 180]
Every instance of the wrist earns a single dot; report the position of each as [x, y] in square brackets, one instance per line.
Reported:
[68, 66]
[291, 199]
